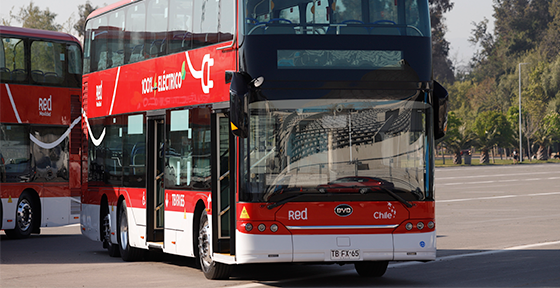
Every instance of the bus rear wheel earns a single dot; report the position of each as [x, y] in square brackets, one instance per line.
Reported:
[127, 252]
[211, 269]
[371, 268]
[25, 222]
[106, 233]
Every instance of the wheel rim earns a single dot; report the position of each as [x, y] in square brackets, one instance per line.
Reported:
[24, 215]
[123, 231]
[204, 245]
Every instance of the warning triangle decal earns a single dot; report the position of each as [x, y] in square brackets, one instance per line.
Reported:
[244, 214]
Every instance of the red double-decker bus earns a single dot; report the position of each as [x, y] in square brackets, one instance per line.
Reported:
[262, 131]
[40, 174]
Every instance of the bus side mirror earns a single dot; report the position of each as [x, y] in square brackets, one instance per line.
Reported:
[440, 105]
[238, 101]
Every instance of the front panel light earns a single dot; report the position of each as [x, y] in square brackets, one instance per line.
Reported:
[431, 225]
[273, 227]
[420, 225]
[409, 226]
[248, 227]
[261, 227]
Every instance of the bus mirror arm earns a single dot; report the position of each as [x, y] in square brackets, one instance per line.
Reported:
[440, 101]
[239, 91]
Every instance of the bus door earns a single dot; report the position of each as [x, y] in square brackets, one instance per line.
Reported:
[223, 200]
[155, 194]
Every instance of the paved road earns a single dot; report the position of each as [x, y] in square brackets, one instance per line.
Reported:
[497, 227]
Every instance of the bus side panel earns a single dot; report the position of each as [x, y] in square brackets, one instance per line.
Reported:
[179, 220]
[54, 213]
[89, 221]
[9, 213]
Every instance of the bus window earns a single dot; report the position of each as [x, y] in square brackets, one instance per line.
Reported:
[156, 28]
[14, 147]
[13, 67]
[50, 164]
[135, 26]
[47, 62]
[74, 65]
[180, 26]
[188, 149]
[205, 23]
[115, 38]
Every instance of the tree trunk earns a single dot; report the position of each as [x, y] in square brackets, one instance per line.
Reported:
[542, 154]
[484, 159]
[457, 158]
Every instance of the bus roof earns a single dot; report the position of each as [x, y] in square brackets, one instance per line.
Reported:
[36, 33]
[109, 8]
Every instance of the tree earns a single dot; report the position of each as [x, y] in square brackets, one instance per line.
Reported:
[491, 128]
[548, 132]
[442, 66]
[551, 40]
[84, 11]
[457, 137]
[33, 17]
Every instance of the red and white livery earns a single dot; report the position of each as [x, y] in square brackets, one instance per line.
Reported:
[256, 131]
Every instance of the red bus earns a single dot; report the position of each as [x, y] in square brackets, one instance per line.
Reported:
[262, 131]
[40, 174]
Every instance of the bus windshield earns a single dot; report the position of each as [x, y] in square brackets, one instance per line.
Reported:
[343, 149]
[367, 17]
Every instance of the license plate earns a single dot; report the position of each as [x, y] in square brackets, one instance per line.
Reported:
[345, 254]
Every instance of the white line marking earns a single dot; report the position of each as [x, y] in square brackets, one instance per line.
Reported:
[497, 197]
[404, 264]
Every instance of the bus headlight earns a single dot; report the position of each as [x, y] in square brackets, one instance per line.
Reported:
[420, 225]
[273, 227]
[408, 226]
[261, 227]
[431, 225]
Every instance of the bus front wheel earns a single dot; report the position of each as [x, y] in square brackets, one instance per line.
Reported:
[371, 268]
[211, 269]
[127, 252]
[25, 222]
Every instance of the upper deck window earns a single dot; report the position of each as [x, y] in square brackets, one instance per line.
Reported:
[40, 62]
[153, 28]
[355, 17]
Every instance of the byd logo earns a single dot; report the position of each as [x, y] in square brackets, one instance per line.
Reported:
[343, 210]
[45, 106]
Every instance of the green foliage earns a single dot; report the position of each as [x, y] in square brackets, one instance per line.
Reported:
[492, 128]
[84, 11]
[526, 31]
[442, 66]
[33, 17]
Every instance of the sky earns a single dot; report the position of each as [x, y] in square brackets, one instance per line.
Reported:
[459, 20]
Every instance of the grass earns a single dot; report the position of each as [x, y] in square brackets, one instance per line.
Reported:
[497, 161]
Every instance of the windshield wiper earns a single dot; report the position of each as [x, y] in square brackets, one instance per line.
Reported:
[286, 200]
[399, 198]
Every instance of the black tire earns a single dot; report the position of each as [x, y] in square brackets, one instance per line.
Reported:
[127, 253]
[211, 269]
[25, 220]
[371, 268]
[106, 233]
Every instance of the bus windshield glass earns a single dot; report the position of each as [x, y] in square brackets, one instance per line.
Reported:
[338, 150]
[333, 17]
